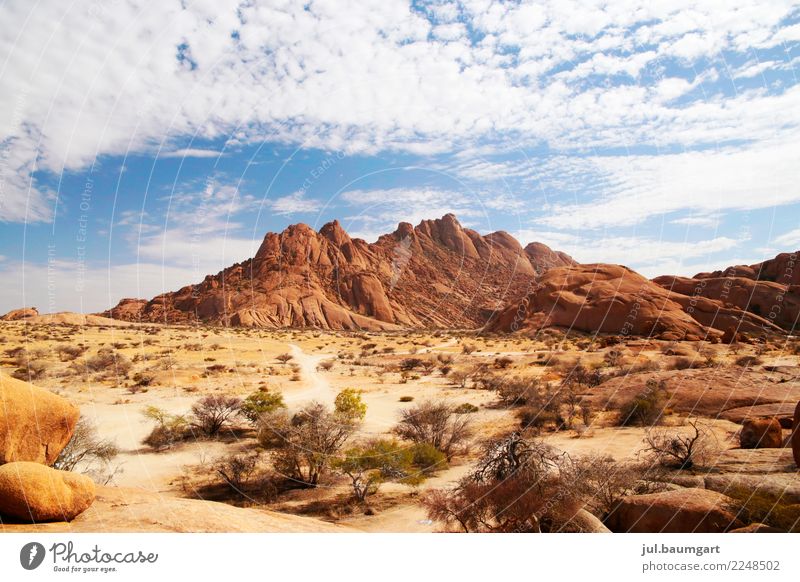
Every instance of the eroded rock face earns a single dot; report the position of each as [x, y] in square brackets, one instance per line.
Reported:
[19, 314]
[614, 299]
[783, 269]
[34, 493]
[761, 433]
[601, 298]
[437, 274]
[777, 303]
[35, 424]
[689, 510]
[546, 258]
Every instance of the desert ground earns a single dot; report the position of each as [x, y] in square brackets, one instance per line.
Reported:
[711, 385]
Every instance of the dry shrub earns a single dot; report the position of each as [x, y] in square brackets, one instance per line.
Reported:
[436, 423]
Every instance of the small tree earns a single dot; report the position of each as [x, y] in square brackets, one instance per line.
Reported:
[437, 424]
[236, 470]
[259, 403]
[284, 358]
[460, 377]
[408, 364]
[211, 413]
[349, 405]
[679, 451]
[313, 437]
[326, 365]
[86, 451]
[169, 429]
[647, 407]
[375, 462]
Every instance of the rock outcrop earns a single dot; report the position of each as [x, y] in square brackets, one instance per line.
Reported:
[437, 274]
[776, 303]
[35, 424]
[122, 509]
[783, 269]
[616, 300]
[19, 314]
[35, 493]
[544, 258]
[761, 433]
[689, 510]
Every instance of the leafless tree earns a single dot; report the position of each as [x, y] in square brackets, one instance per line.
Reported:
[679, 451]
[313, 437]
[211, 413]
[435, 423]
[284, 358]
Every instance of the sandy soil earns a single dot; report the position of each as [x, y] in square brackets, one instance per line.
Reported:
[188, 363]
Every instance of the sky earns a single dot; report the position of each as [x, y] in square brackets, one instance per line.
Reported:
[144, 145]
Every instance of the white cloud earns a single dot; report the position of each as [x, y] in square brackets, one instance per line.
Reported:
[708, 221]
[788, 240]
[651, 257]
[113, 78]
[192, 153]
[639, 187]
[294, 203]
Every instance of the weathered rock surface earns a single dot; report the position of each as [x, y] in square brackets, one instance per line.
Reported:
[614, 299]
[35, 493]
[761, 433]
[785, 485]
[19, 314]
[705, 392]
[679, 511]
[782, 269]
[35, 424]
[135, 510]
[437, 274]
[776, 303]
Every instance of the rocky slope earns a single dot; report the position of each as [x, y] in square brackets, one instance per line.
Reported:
[770, 289]
[614, 299]
[437, 274]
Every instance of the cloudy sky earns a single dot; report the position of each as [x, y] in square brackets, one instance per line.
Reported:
[146, 144]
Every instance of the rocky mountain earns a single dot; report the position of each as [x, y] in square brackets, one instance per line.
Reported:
[769, 290]
[439, 274]
[435, 274]
[616, 300]
[783, 270]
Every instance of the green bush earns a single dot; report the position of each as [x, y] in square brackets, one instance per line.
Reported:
[428, 459]
[259, 403]
[647, 407]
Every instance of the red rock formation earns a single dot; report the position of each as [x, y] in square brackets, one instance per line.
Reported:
[761, 433]
[546, 258]
[19, 314]
[437, 274]
[688, 510]
[779, 304]
[613, 299]
[783, 269]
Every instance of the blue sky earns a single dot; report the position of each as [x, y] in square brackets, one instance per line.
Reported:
[144, 145]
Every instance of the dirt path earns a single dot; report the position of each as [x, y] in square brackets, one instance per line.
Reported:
[315, 385]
